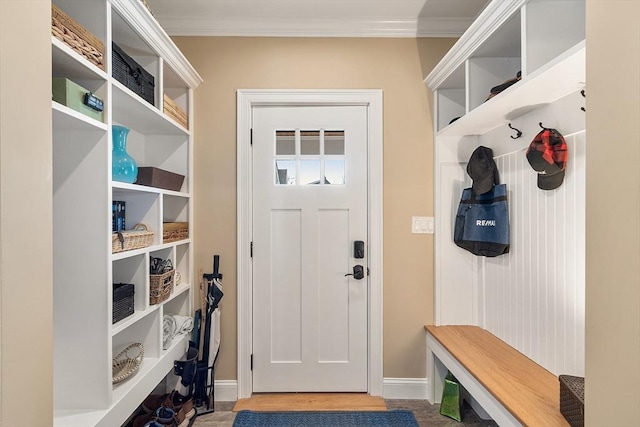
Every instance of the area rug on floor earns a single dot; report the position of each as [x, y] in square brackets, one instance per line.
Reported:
[395, 418]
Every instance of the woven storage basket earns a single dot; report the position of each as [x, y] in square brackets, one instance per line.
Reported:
[572, 399]
[131, 74]
[77, 37]
[127, 240]
[123, 301]
[172, 231]
[124, 367]
[160, 286]
[172, 110]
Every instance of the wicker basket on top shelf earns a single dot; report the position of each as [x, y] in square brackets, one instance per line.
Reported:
[77, 37]
[172, 110]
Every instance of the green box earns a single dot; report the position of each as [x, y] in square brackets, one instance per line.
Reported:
[71, 94]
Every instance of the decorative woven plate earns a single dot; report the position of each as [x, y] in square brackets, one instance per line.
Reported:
[124, 366]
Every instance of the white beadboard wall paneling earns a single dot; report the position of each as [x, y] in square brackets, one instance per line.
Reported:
[532, 298]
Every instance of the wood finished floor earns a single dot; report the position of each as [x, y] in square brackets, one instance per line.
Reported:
[426, 414]
[311, 402]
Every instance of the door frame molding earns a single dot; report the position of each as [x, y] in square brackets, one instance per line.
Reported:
[246, 100]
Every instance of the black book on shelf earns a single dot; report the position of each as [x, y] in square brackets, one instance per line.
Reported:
[118, 216]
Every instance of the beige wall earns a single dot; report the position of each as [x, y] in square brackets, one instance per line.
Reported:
[26, 332]
[397, 66]
[613, 258]
[613, 214]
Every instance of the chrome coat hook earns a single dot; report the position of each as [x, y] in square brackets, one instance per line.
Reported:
[518, 132]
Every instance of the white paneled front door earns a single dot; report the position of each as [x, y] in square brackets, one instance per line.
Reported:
[309, 207]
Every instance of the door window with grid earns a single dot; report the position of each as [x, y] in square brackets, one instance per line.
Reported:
[309, 157]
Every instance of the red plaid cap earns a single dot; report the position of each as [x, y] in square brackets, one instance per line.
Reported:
[548, 155]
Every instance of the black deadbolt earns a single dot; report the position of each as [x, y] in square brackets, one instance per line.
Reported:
[358, 249]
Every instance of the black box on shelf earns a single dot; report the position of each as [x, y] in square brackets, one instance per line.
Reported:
[131, 74]
[123, 301]
[118, 222]
[159, 178]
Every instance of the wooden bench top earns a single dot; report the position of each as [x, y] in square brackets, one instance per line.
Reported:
[527, 390]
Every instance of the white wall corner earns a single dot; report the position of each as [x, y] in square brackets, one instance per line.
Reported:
[225, 391]
[406, 388]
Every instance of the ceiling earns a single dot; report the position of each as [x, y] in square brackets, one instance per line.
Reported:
[316, 18]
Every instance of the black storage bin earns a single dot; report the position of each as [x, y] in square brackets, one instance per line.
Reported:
[132, 75]
[572, 399]
[122, 301]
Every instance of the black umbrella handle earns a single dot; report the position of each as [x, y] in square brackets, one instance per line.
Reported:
[216, 265]
[216, 268]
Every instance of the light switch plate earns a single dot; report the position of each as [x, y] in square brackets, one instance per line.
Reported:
[422, 225]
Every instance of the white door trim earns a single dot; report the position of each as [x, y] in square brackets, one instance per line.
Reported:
[246, 100]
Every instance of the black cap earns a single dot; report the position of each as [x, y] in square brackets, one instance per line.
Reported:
[482, 170]
[548, 155]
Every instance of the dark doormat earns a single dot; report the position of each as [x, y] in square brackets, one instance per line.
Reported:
[395, 418]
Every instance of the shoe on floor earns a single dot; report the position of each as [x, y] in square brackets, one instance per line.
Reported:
[165, 416]
[173, 400]
[181, 403]
[162, 417]
[153, 402]
[144, 420]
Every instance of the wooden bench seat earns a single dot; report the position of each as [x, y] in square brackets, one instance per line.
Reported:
[510, 387]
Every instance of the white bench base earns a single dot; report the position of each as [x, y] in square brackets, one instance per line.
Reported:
[439, 361]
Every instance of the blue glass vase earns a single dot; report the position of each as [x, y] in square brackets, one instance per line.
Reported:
[123, 167]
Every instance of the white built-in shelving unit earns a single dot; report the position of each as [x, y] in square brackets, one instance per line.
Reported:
[85, 340]
[533, 297]
[544, 39]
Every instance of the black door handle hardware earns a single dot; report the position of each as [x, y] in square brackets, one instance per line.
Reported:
[358, 272]
[358, 249]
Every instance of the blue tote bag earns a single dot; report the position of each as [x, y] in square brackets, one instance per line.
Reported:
[482, 222]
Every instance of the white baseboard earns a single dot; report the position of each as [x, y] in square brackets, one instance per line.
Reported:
[393, 388]
[405, 388]
[225, 390]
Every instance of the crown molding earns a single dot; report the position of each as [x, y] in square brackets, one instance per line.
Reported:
[257, 27]
[443, 27]
[491, 18]
[145, 24]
